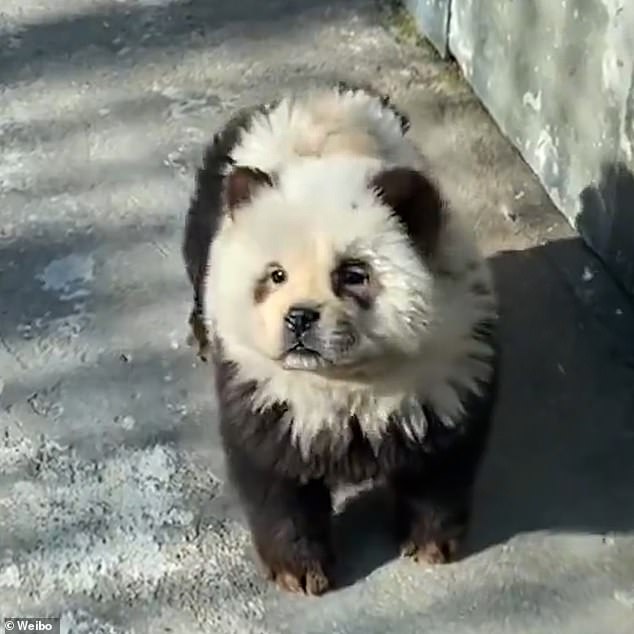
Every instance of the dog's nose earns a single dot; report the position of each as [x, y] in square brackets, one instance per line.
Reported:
[299, 319]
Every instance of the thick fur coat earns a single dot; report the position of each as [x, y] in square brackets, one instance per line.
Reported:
[351, 322]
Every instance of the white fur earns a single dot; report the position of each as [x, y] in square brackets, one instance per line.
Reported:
[321, 204]
[324, 123]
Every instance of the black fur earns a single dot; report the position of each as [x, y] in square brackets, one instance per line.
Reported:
[205, 211]
[286, 495]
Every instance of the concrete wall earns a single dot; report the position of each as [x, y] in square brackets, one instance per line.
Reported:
[432, 18]
[558, 77]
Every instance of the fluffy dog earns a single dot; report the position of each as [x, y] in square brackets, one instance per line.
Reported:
[351, 321]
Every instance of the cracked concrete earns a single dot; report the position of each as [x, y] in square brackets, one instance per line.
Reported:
[114, 511]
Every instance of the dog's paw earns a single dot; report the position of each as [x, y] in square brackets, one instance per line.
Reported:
[432, 552]
[310, 578]
[302, 566]
[432, 532]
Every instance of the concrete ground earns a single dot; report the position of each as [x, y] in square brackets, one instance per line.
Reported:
[113, 507]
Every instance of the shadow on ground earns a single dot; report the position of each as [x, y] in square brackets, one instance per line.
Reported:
[606, 219]
[560, 456]
[24, 259]
[102, 35]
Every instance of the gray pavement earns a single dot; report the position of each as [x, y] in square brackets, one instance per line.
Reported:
[114, 511]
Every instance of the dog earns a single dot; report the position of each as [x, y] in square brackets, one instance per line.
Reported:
[351, 322]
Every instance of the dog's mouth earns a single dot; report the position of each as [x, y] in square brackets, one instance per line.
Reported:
[301, 357]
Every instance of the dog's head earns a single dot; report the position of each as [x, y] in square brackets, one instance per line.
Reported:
[325, 267]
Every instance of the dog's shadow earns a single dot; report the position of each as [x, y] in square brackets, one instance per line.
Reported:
[560, 455]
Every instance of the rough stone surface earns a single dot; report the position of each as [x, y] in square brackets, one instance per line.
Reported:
[558, 77]
[114, 511]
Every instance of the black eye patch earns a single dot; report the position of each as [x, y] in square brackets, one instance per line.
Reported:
[352, 279]
[353, 273]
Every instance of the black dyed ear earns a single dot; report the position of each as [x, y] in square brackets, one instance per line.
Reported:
[241, 183]
[416, 202]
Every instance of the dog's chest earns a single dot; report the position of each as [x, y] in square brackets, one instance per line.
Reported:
[342, 416]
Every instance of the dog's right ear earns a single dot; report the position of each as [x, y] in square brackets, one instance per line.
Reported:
[241, 184]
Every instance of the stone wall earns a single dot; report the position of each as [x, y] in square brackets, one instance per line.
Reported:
[558, 78]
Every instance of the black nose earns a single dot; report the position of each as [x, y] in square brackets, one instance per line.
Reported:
[300, 318]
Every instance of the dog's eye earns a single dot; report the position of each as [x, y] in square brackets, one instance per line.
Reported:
[354, 275]
[277, 275]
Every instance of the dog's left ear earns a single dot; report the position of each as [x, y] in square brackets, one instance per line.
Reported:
[241, 184]
[416, 202]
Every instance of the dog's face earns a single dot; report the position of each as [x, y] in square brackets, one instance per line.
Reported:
[314, 305]
[325, 269]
